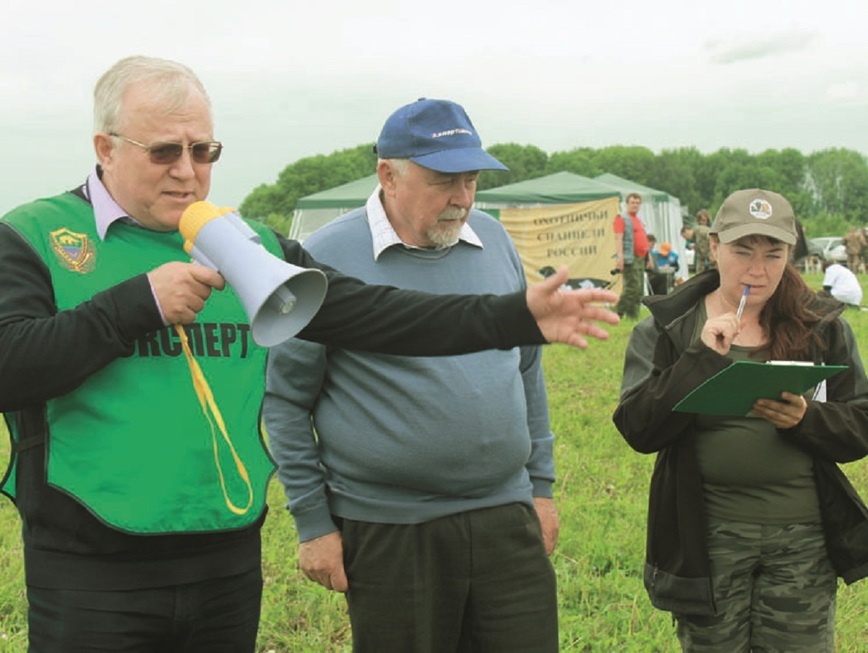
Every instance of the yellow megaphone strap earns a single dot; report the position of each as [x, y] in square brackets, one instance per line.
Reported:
[206, 399]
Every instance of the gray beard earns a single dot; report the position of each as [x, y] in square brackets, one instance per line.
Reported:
[449, 223]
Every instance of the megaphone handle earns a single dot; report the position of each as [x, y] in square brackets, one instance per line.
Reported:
[200, 258]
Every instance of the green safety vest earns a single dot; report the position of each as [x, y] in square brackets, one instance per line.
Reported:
[132, 442]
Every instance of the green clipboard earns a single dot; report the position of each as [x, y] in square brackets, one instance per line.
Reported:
[733, 390]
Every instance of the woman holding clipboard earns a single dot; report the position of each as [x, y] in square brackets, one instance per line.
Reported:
[750, 520]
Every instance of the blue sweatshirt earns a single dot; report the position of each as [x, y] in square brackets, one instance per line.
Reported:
[406, 440]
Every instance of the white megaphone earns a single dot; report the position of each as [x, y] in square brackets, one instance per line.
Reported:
[279, 298]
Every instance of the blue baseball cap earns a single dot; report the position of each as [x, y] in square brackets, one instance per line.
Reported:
[435, 134]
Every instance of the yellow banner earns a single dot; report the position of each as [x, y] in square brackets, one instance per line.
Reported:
[577, 235]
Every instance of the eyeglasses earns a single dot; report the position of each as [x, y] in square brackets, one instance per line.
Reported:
[168, 153]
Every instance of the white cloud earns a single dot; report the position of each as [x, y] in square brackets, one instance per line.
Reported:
[749, 47]
[845, 92]
[291, 79]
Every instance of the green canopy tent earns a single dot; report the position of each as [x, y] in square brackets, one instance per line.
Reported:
[660, 212]
[557, 188]
[559, 219]
[314, 211]
[318, 209]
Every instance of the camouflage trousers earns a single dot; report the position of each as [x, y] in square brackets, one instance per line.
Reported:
[633, 279]
[774, 588]
[701, 258]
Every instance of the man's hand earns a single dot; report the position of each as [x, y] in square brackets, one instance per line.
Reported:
[182, 289]
[548, 519]
[322, 561]
[568, 316]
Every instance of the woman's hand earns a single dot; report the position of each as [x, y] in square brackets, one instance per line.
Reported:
[719, 332]
[783, 413]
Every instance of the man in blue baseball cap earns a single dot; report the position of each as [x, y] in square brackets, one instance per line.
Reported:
[430, 159]
[422, 488]
[436, 134]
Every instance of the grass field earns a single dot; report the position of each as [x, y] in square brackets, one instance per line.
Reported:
[601, 494]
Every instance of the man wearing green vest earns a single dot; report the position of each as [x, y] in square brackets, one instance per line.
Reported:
[141, 511]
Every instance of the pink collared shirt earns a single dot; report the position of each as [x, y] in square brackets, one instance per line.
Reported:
[107, 211]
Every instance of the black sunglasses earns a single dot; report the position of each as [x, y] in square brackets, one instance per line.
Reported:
[167, 153]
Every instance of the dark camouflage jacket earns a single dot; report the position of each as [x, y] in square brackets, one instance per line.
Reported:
[662, 365]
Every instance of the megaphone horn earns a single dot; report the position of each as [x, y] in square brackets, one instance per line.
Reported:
[279, 298]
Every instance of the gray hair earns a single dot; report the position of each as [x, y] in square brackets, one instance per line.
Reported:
[400, 166]
[171, 83]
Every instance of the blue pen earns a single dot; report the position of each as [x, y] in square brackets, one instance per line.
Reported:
[742, 302]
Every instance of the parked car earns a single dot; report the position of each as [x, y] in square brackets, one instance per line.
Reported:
[815, 247]
[828, 248]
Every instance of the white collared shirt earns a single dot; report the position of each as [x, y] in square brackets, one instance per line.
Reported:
[384, 235]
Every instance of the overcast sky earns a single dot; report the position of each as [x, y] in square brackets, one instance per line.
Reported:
[291, 79]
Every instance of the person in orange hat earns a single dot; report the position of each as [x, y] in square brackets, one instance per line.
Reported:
[667, 260]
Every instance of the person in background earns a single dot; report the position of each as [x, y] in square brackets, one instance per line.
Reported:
[631, 247]
[800, 251]
[660, 282]
[697, 239]
[650, 259]
[136, 536]
[864, 231]
[840, 282]
[666, 259]
[854, 243]
[750, 519]
[422, 488]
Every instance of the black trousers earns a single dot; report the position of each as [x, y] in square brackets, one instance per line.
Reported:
[476, 581]
[220, 615]
[660, 282]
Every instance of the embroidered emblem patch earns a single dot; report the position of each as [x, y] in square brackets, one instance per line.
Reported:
[74, 251]
[760, 209]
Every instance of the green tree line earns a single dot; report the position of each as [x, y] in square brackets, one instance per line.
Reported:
[828, 188]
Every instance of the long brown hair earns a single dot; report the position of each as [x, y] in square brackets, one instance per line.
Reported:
[788, 319]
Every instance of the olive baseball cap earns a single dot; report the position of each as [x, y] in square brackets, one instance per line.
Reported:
[755, 212]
